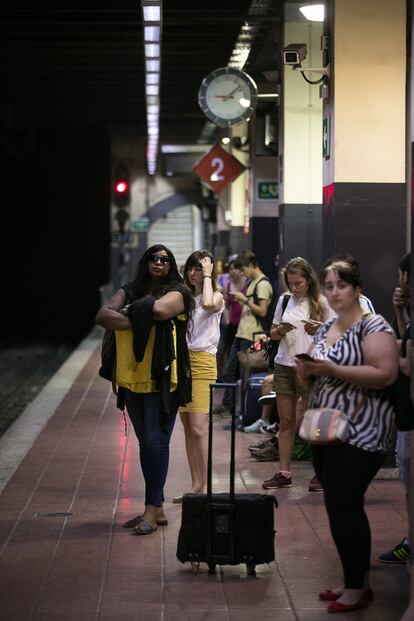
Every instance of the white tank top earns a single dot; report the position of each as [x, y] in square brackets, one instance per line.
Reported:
[203, 332]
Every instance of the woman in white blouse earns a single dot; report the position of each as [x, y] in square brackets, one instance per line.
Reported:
[203, 337]
[306, 307]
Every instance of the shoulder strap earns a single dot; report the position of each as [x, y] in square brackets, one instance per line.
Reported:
[285, 302]
[254, 294]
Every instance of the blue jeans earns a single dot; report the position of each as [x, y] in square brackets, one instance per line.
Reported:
[232, 369]
[154, 441]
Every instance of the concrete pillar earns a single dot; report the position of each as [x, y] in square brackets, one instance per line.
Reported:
[364, 175]
[300, 153]
[264, 180]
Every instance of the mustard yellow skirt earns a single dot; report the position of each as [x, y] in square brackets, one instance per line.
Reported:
[204, 373]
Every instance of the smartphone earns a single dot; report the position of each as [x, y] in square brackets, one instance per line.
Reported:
[286, 324]
[304, 357]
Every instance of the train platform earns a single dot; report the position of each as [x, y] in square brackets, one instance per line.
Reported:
[69, 479]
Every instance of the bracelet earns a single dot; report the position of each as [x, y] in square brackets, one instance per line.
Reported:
[206, 276]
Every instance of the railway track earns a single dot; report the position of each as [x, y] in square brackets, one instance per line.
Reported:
[24, 371]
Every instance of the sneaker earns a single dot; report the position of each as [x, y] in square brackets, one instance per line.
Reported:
[315, 485]
[268, 453]
[270, 428]
[266, 399]
[254, 427]
[277, 481]
[399, 554]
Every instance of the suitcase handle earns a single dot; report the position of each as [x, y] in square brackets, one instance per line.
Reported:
[233, 387]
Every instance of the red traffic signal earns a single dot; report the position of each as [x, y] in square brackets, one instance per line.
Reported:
[121, 187]
[122, 196]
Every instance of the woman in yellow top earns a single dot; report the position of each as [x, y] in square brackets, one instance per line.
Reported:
[150, 316]
[203, 336]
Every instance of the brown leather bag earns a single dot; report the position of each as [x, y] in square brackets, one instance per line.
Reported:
[252, 361]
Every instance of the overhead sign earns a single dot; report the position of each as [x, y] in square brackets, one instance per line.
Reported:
[139, 224]
[217, 168]
[267, 190]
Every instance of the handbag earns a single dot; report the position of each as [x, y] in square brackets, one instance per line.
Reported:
[108, 358]
[326, 426]
[252, 360]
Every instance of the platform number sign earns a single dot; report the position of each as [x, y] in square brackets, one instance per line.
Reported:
[217, 168]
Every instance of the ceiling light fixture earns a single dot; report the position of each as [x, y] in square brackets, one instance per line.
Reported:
[313, 12]
[152, 34]
[152, 22]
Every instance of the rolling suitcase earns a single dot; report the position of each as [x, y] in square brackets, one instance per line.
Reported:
[252, 408]
[226, 528]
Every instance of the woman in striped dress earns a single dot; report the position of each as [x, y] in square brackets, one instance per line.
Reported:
[355, 361]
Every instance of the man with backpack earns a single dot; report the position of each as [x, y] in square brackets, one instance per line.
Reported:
[257, 315]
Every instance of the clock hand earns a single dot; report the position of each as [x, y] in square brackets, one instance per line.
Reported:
[230, 95]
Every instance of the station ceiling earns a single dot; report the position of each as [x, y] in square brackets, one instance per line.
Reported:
[80, 63]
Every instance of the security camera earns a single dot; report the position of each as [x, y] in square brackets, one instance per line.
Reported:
[294, 53]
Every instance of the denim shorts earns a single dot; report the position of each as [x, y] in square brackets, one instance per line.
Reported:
[286, 382]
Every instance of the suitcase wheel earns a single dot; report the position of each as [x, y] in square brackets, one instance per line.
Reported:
[195, 567]
[211, 568]
[251, 569]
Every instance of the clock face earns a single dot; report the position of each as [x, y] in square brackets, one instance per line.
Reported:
[228, 97]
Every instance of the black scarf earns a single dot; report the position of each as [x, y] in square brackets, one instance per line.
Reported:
[140, 314]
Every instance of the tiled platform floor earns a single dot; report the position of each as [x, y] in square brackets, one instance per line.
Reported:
[86, 567]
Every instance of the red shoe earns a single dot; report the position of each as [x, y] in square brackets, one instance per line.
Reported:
[366, 598]
[329, 596]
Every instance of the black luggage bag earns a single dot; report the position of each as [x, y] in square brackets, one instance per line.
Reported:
[226, 528]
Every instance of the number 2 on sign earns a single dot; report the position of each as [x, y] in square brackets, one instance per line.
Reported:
[217, 165]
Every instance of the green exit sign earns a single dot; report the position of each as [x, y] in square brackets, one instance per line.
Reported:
[267, 190]
[139, 224]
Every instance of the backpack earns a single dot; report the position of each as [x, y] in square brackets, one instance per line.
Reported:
[267, 320]
[271, 345]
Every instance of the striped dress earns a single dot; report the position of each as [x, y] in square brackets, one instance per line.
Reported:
[372, 426]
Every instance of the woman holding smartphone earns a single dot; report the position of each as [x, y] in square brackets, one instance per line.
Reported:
[203, 336]
[354, 362]
[306, 305]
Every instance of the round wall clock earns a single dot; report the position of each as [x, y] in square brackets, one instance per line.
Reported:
[228, 96]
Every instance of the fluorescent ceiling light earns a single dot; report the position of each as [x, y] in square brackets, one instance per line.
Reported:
[152, 50]
[152, 78]
[313, 12]
[153, 109]
[151, 13]
[152, 65]
[152, 89]
[152, 33]
[183, 148]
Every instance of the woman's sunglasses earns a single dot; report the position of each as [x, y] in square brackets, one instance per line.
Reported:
[155, 258]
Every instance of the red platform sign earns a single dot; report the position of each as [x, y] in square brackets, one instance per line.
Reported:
[217, 168]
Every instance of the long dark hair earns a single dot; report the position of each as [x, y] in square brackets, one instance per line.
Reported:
[142, 284]
[194, 261]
